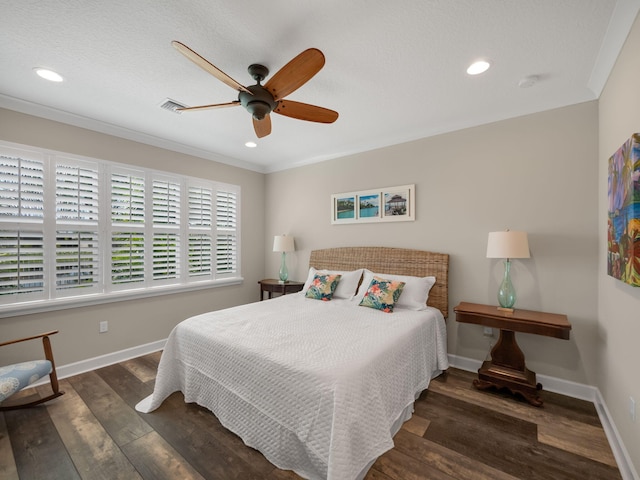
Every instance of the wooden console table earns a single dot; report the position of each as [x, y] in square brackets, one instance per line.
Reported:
[507, 368]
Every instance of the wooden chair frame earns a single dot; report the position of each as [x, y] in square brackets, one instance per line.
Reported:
[48, 353]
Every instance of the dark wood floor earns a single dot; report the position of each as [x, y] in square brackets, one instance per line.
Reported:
[457, 432]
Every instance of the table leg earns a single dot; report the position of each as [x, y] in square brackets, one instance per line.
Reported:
[506, 351]
[507, 369]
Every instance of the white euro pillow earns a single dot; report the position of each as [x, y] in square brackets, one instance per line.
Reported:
[346, 287]
[414, 295]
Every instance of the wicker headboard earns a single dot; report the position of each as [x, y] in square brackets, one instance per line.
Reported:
[400, 261]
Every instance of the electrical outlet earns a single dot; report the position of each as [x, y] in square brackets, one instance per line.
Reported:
[488, 332]
[632, 409]
[104, 326]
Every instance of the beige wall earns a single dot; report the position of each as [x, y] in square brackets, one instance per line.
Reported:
[135, 322]
[618, 361]
[537, 173]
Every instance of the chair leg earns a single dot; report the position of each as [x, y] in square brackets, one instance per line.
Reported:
[48, 354]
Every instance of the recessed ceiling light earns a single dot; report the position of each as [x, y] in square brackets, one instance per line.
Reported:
[48, 74]
[476, 68]
[251, 144]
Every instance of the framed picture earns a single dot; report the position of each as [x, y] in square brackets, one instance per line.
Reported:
[343, 208]
[623, 222]
[369, 205]
[398, 203]
[390, 204]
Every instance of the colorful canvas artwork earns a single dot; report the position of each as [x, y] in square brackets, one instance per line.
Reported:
[623, 229]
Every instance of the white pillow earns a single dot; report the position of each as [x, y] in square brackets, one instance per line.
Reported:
[346, 287]
[414, 294]
[366, 282]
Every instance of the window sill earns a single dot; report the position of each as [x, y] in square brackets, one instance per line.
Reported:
[38, 306]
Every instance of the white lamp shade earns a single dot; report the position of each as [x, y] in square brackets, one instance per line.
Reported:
[283, 243]
[508, 244]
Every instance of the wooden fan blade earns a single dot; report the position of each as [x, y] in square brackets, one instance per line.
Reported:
[262, 127]
[304, 111]
[208, 67]
[207, 107]
[295, 73]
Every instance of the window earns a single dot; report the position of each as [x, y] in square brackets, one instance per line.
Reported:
[22, 202]
[77, 254]
[70, 227]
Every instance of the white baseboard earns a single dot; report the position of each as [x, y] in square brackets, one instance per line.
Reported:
[627, 470]
[94, 363]
[582, 392]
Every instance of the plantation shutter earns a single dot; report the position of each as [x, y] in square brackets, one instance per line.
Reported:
[166, 202]
[127, 257]
[226, 254]
[127, 236]
[200, 206]
[199, 255]
[226, 238]
[77, 259]
[22, 239]
[127, 198]
[21, 188]
[165, 256]
[21, 262]
[76, 193]
[226, 210]
[165, 264]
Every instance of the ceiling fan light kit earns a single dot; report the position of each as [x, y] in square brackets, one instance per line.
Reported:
[258, 101]
[261, 100]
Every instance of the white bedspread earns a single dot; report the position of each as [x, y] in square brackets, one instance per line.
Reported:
[315, 386]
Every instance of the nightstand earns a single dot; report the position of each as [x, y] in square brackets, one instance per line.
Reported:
[272, 286]
[507, 369]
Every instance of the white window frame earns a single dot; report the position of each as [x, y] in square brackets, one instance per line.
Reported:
[76, 225]
[103, 289]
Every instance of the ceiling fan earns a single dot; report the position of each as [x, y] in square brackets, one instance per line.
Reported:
[261, 100]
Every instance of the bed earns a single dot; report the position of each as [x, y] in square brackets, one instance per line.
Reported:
[319, 387]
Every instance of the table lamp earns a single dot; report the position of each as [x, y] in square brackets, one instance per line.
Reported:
[284, 244]
[507, 245]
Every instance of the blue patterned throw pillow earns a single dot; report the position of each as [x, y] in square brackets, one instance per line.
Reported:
[382, 294]
[322, 287]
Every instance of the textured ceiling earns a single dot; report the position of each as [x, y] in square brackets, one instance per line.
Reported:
[395, 71]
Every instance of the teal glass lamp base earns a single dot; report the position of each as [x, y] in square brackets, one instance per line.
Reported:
[506, 293]
[284, 273]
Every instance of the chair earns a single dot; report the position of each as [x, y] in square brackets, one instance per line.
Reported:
[14, 378]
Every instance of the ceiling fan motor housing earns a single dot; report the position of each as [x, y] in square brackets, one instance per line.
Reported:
[261, 102]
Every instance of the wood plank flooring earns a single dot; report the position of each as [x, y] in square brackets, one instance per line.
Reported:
[457, 432]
